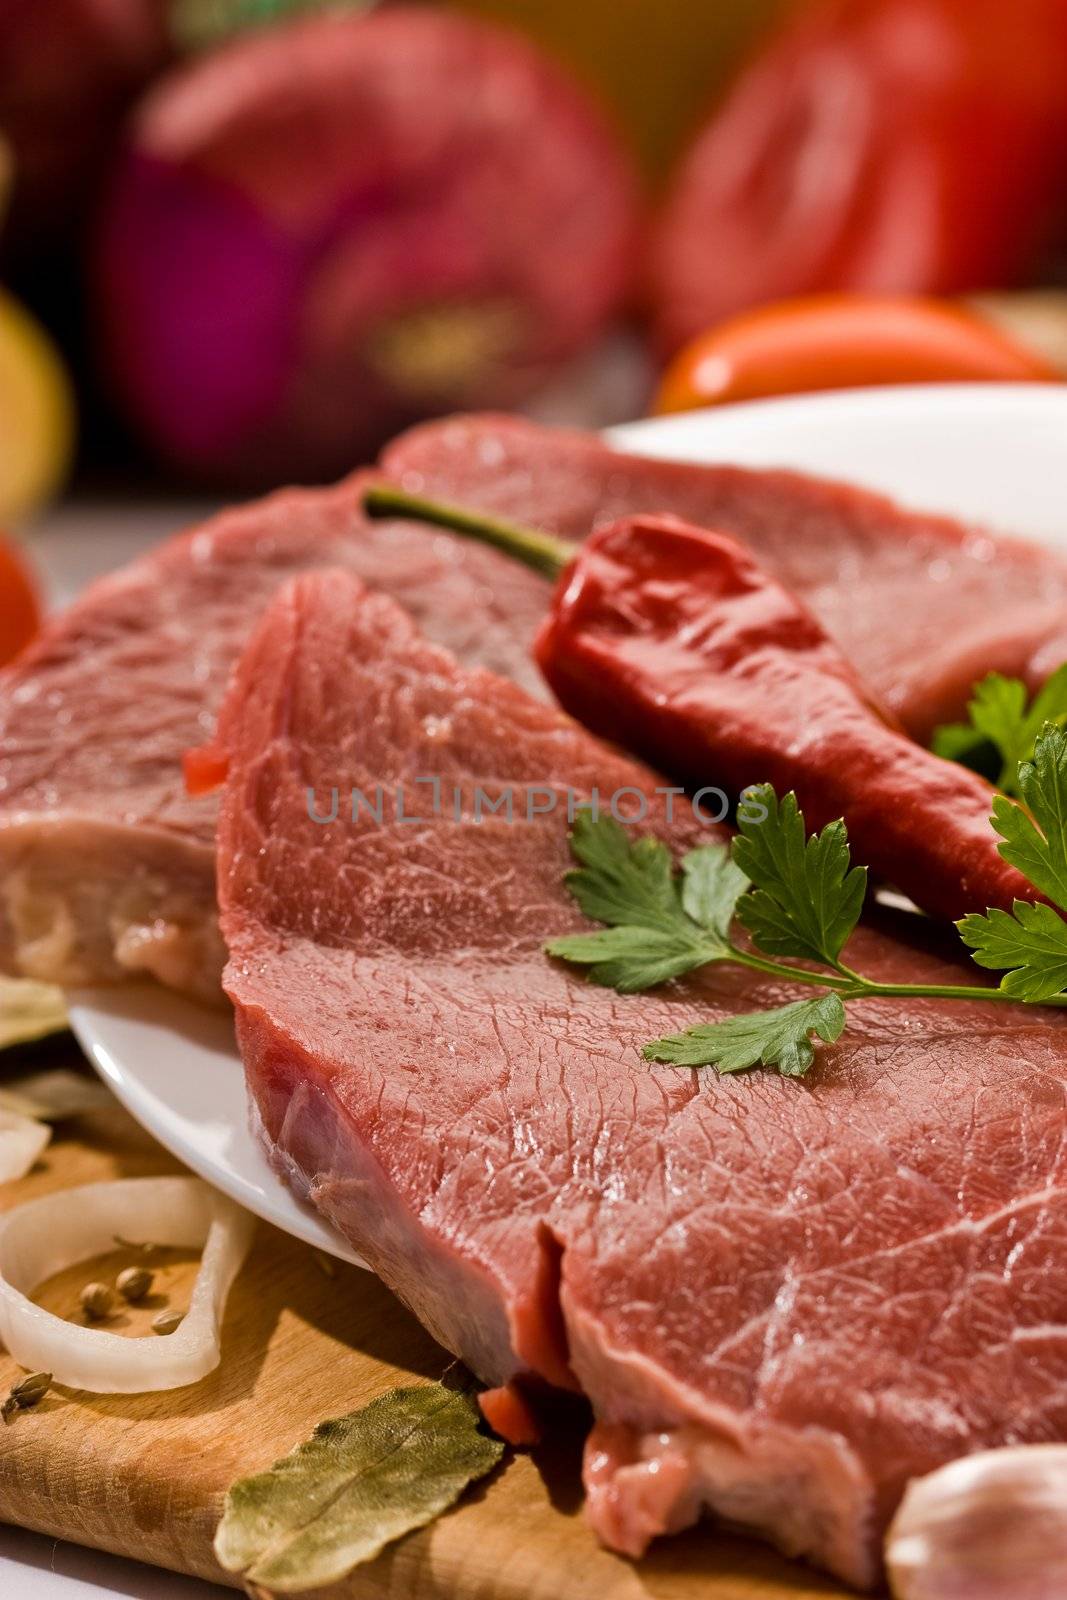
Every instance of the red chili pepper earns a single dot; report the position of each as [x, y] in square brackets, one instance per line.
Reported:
[509, 1413]
[887, 145]
[204, 769]
[844, 341]
[672, 641]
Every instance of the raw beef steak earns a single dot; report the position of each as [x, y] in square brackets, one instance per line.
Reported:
[921, 605]
[107, 867]
[782, 1297]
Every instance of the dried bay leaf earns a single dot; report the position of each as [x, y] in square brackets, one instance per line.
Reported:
[358, 1483]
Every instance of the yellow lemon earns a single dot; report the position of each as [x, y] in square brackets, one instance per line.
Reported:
[36, 414]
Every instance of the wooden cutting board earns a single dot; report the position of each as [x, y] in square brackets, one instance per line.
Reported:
[144, 1475]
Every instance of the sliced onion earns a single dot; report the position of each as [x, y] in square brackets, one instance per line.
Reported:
[21, 1141]
[54, 1095]
[46, 1236]
[29, 1010]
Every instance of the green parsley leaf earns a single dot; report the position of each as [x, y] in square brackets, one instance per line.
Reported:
[778, 1038]
[358, 1483]
[807, 900]
[961, 742]
[1029, 944]
[659, 925]
[1000, 716]
[1032, 940]
[632, 958]
[1037, 844]
[620, 882]
[712, 885]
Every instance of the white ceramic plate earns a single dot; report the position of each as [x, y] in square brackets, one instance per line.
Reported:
[175, 1067]
[992, 454]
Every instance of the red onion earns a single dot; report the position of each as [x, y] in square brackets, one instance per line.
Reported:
[336, 226]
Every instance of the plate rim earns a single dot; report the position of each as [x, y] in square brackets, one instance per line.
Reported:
[299, 1218]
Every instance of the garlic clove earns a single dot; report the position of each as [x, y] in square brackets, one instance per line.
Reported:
[986, 1527]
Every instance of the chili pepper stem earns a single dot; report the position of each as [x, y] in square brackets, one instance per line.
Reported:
[541, 551]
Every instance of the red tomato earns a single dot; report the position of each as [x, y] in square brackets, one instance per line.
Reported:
[844, 342]
[20, 613]
[887, 145]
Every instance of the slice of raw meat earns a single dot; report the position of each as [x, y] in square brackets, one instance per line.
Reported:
[782, 1298]
[107, 867]
[921, 605]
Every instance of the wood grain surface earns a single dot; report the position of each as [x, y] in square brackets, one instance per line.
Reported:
[144, 1475]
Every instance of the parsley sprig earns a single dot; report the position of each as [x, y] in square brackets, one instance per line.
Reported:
[799, 897]
[806, 897]
[779, 1037]
[659, 924]
[1031, 939]
[1003, 724]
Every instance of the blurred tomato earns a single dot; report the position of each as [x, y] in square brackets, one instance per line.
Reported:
[885, 145]
[844, 342]
[20, 615]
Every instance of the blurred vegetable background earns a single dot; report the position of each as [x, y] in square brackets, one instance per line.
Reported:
[246, 240]
[324, 231]
[905, 145]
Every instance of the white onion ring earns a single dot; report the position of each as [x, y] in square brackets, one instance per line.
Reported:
[21, 1141]
[45, 1236]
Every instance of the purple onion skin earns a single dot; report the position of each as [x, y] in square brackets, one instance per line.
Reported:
[219, 288]
[295, 210]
